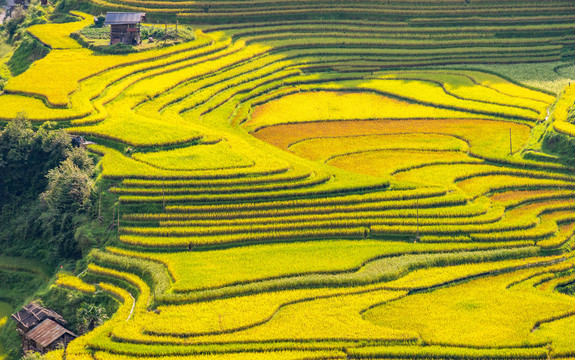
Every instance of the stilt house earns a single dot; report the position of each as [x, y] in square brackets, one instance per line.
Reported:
[41, 329]
[124, 27]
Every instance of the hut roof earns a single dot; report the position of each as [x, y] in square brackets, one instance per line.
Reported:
[33, 314]
[124, 18]
[48, 332]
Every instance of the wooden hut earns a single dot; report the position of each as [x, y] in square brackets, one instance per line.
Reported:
[41, 329]
[124, 27]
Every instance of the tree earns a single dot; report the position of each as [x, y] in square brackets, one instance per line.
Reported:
[66, 202]
[69, 188]
[27, 156]
[90, 316]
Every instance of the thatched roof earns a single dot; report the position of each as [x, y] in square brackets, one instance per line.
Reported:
[33, 314]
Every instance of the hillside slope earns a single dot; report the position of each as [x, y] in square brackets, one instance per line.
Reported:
[319, 180]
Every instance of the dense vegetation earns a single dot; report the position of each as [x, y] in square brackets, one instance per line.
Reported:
[46, 186]
[302, 180]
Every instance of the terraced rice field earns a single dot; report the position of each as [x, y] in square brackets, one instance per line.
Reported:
[301, 186]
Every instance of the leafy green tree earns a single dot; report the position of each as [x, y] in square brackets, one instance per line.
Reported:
[27, 156]
[69, 189]
[66, 202]
[90, 316]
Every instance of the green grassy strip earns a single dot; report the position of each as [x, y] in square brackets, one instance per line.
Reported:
[25, 265]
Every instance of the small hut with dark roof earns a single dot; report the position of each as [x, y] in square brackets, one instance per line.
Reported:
[124, 27]
[41, 329]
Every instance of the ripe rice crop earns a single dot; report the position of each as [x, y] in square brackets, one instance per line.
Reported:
[75, 63]
[324, 148]
[198, 157]
[36, 110]
[46, 78]
[235, 248]
[293, 175]
[325, 105]
[311, 181]
[506, 87]
[520, 223]
[426, 278]
[331, 257]
[207, 228]
[344, 184]
[492, 140]
[464, 85]
[73, 282]
[272, 236]
[566, 233]
[124, 129]
[158, 349]
[561, 111]
[396, 218]
[386, 162]
[144, 290]
[77, 348]
[429, 90]
[511, 198]
[506, 309]
[236, 73]
[56, 36]
[480, 185]
[55, 355]
[117, 166]
[271, 355]
[236, 313]
[381, 270]
[372, 210]
[331, 319]
[458, 173]
[388, 199]
[432, 352]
